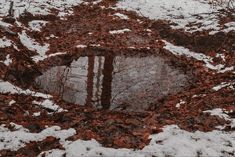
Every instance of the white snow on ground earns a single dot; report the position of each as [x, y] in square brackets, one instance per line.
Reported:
[181, 12]
[95, 45]
[230, 27]
[14, 140]
[81, 46]
[223, 85]
[37, 25]
[32, 45]
[7, 87]
[218, 112]
[38, 7]
[49, 105]
[36, 114]
[121, 16]
[222, 114]
[119, 31]
[171, 142]
[12, 102]
[96, 2]
[7, 61]
[4, 42]
[180, 103]
[4, 24]
[179, 50]
[41, 58]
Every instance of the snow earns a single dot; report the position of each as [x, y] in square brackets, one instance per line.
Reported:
[4, 24]
[4, 42]
[223, 85]
[222, 114]
[179, 50]
[38, 7]
[37, 25]
[171, 142]
[7, 61]
[180, 103]
[51, 36]
[14, 140]
[218, 112]
[222, 56]
[96, 2]
[95, 45]
[36, 114]
[230, 27]
[32, 45]
[121, 16]
[41, 58]
[49, 105]
[81, 46]
[181, 12]
[12, 102]
[7, 87]
[119, 31]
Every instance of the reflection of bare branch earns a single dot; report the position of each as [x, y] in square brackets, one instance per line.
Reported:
[11, 10]
[127, 88]
[63, 79]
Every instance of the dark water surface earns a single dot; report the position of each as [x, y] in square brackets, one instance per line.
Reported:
[114, 82]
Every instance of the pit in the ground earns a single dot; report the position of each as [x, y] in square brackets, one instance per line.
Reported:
[115, 82]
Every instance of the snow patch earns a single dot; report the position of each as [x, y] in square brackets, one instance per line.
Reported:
[41, 58]
[4, 42]
[48, 104]
[37, 25]
[14, 140]
[38, 7]
[12, 102]
[179, 50]
[171, 142]
[218, 112]
[180, 103]
[119, 31]
[182, 12]
[122, 16]
[36, 114]
[7, 61]
[222, 114]
[81, 46]
[32, 45]
[7, 87]
[223, 85]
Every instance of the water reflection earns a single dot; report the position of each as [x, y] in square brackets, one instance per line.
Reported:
[114, 82]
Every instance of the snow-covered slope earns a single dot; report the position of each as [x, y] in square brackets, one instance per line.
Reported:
[202, 15]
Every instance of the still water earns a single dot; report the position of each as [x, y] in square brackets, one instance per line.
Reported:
[114, 82]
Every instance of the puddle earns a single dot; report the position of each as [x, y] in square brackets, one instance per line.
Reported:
[114, 82]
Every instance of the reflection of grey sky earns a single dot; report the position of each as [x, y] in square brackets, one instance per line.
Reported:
[136, 81]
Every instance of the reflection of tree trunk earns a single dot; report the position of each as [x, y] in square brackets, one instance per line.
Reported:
[99, 73]
[107, 82]
[90, 78]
